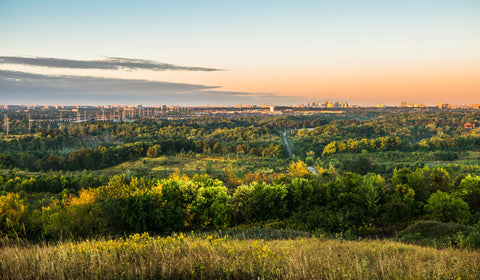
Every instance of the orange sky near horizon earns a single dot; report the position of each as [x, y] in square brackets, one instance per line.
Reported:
[361, 85]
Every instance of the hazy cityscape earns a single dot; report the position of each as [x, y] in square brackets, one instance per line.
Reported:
[27, 118]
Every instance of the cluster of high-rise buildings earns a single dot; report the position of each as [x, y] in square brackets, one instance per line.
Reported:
[404, 104]
[441, 105]
[324, 104]
[120, 112]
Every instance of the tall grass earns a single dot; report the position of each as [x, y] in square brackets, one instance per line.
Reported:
[258, 233]
[209, 257]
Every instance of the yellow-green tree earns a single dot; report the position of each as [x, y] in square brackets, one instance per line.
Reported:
[12, 214]
[298, 169]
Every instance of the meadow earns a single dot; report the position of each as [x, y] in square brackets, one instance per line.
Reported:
[194, 164]
[210, 256]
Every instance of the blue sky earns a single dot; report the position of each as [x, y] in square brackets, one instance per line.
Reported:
[361, 51]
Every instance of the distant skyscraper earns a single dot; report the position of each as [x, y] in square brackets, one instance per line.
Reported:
[403, 104]
[444, 105]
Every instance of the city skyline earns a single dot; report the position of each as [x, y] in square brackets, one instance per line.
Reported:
[312, 104]
[223, 52]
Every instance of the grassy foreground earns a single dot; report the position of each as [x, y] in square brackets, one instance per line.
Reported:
[208, 257]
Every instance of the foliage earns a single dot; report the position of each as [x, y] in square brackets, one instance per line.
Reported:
[298, 169]
[435, 229]
[12, 214]
[362, 172]
[331, 201]
[433, 233]
[447, 207]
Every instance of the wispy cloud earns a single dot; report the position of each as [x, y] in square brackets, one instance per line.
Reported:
[109, 63]
[21, 81]
[28, 88]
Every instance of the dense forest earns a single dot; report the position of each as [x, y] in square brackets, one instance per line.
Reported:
[361, 173]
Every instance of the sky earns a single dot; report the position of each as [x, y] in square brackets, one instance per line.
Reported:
[231, 52]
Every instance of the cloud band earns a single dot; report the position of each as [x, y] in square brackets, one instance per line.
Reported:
[109, 63]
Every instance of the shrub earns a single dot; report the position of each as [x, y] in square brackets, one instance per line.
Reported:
[446, 207]
[12, 213]
[433, 233]
[433, 229]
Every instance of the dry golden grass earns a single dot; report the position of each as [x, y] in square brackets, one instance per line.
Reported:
[195, 257]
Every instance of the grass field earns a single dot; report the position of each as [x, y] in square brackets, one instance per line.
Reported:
[211, 257]
[193, 164]
[473, 155]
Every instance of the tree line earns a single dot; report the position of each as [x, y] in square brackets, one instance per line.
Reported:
[331, 201]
